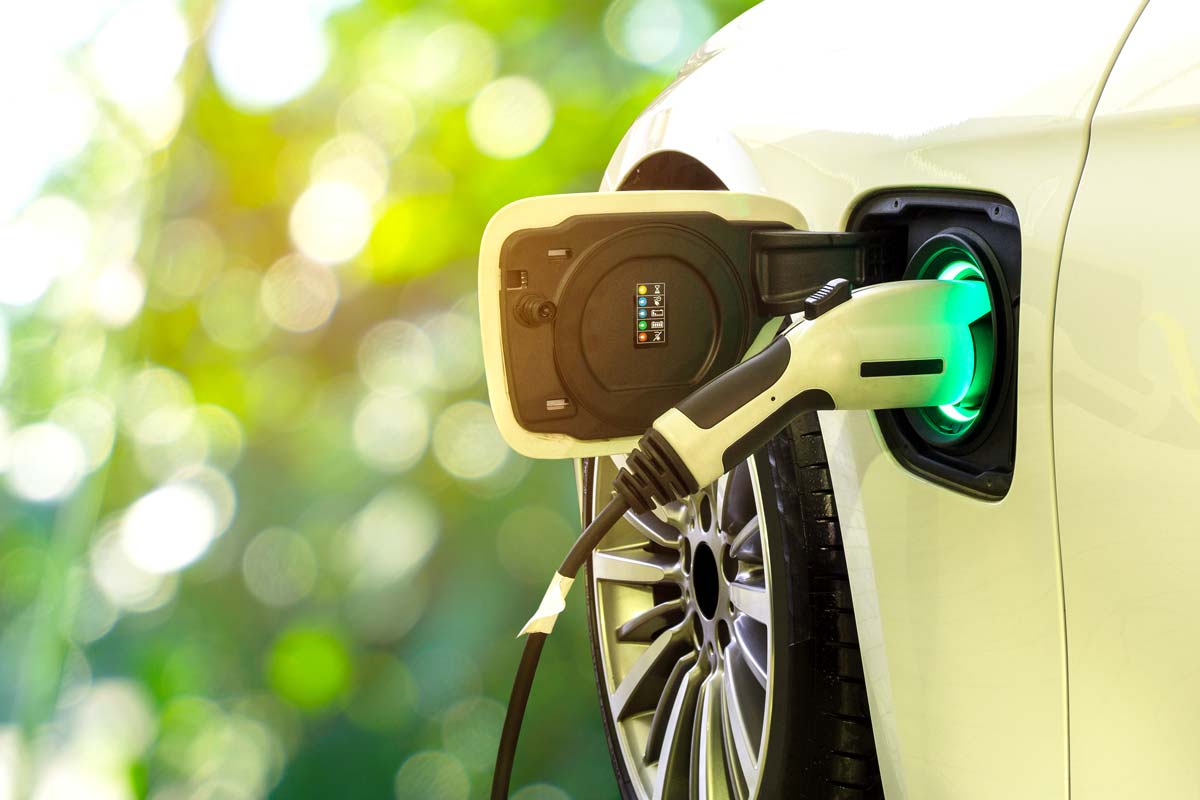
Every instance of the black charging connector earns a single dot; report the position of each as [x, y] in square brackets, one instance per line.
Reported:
[789, 266]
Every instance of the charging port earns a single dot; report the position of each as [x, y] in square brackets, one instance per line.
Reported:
[968, 445]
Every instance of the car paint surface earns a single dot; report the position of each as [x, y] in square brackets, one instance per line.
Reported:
[1127, 423]
[959, 601]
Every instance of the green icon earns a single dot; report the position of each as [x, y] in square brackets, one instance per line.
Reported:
[642, 325]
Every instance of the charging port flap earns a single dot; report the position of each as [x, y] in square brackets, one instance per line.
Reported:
[601, 311]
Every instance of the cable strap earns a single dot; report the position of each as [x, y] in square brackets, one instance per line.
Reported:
[553, 603]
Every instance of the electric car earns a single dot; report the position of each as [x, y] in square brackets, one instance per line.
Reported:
[994, 600]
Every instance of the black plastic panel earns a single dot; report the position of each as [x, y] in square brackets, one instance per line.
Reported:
[580, 369]
[982, 463]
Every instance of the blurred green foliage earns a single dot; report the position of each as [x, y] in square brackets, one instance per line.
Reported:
[261, 536]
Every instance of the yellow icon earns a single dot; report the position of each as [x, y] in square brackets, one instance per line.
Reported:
[642, 289]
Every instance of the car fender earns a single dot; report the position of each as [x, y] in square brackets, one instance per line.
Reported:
[959, 601]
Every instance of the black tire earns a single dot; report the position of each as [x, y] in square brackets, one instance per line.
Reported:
[821, 745]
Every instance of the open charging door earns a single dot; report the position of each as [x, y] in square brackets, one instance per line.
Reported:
[600, 311]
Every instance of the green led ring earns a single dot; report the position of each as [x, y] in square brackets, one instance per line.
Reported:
[953, 421]
[960, 271]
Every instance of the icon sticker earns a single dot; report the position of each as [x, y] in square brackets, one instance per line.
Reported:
[650, 300]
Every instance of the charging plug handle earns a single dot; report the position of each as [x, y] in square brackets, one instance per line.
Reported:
[897, 345]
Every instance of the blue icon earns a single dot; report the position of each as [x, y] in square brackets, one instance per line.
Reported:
[641, 301]
[641, 313]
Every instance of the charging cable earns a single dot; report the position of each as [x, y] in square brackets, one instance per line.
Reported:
[536, 631]
[907, 344]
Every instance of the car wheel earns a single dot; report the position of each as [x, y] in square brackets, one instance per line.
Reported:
[723, 636]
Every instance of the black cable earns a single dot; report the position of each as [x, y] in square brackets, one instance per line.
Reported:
[515, 715]
[592, 534]
[523, 681]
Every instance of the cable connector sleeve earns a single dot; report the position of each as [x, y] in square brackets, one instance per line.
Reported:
[654, 474]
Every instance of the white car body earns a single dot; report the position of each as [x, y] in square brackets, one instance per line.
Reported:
[1040, 646]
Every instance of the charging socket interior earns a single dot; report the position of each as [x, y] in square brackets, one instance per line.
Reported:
[969, 445]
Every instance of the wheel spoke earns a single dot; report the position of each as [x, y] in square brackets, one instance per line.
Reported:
[738, 776]
[638, 567]
[643, 684]
[720, 489]
[747, 545]
[648, 624]
[710, 781]
[749, 595]
[675, 761]
[752, 640]
[662, 712]
[656, 530]
[675, 514]
[737, 503]
[743, 715]
[737, 780]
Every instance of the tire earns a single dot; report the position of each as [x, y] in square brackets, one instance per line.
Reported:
[817, 742]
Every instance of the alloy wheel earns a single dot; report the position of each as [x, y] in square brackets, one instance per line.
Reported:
[683, 613]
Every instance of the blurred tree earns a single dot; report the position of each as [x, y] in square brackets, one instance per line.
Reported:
[262, 537]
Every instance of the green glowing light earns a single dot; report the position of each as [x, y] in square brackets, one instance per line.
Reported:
[958, 414]
[960, 271]
[955, 420]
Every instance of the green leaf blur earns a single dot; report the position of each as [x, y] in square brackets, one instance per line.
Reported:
[260, 536]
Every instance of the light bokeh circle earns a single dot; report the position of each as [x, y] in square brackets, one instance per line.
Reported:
[510, 117]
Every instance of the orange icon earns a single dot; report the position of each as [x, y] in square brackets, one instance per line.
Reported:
[641, 337]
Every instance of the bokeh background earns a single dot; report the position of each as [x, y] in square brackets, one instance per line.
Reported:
[258, 533]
